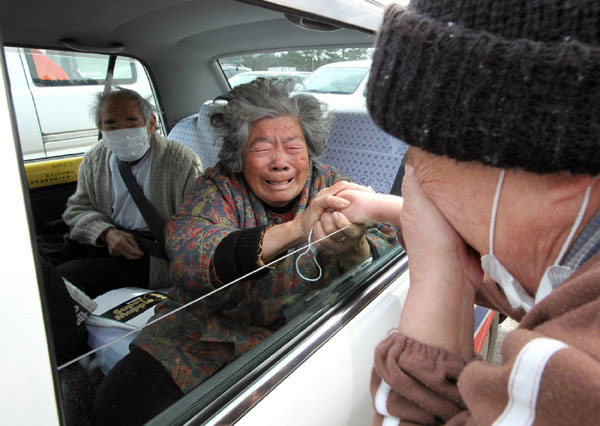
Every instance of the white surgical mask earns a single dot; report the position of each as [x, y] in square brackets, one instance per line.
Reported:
[516, 295]
[127, 144]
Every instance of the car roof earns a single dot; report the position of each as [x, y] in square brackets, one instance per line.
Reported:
[146, 28]
[165, 33]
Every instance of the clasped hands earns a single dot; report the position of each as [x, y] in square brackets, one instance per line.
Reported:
[324, 215]
[436, 251]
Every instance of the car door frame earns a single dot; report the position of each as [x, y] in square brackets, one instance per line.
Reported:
[30, 392]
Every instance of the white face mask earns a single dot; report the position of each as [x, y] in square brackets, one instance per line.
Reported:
[127, 144]
[555, 274]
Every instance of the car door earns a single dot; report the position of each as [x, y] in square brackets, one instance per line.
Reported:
[29, 390]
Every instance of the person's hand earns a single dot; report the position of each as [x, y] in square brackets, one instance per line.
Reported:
[280, 238]
[437, 254]
[121, 243]
[363, 205]
[369, 206]
[325, 201]
[349, 246]
[444, 275]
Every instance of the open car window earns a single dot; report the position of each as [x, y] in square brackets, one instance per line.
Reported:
[115, 319]
[125, 317]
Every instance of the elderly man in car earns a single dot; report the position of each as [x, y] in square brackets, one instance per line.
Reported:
[111, 244]
[266, 196]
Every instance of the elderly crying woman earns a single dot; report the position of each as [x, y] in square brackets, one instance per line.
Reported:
[261, 199]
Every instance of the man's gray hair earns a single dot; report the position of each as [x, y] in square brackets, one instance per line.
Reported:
[268, 98]
[144, 104]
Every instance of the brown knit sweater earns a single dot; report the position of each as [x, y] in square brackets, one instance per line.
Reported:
[550, 374]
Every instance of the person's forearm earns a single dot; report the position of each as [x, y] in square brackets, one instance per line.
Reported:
[366, 207]
[88, 227]
[387, 209]
[280, 238]
[439, 313]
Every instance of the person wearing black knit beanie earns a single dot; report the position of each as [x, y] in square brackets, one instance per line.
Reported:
[500, 104]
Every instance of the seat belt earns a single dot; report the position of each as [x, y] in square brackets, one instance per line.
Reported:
[110, 71]
[108, 81]
[148, 213]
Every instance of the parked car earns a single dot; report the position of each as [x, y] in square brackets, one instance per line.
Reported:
[314, 370]
[247, 77]
[339, 84]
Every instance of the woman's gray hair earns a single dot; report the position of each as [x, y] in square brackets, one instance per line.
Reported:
[144, 104]
[268, 98]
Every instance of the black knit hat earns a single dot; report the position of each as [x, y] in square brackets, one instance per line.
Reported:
[506, 83]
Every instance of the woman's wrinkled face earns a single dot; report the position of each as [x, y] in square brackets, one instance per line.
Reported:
[276, 160]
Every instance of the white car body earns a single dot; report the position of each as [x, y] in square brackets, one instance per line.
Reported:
[246, 77]
[323, 81]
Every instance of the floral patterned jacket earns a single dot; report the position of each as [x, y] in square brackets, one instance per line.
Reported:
[196, 341]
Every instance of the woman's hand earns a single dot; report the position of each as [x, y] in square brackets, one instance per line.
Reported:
[325, 201]
[368, 206]
[436, 251]
[281, 237]
[444, 275]
[349, 246]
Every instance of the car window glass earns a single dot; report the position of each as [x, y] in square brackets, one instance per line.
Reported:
[296, 64]
[118, 316]
[54, 67]
[53, 91]
[313, 307]
[337, 77]
[113, 328]
[337, 80]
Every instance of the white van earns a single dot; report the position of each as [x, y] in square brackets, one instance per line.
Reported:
[52, 94]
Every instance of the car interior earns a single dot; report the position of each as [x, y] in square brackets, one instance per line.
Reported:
[187, 50]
